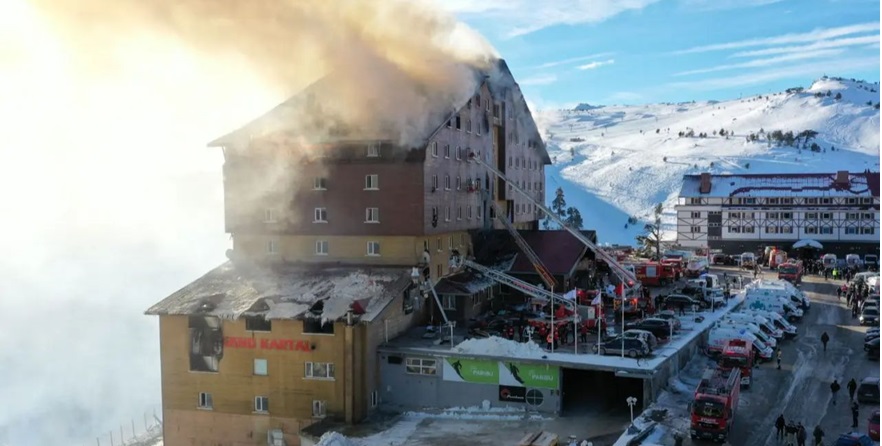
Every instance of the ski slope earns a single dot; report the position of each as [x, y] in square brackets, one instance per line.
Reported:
[619, 161]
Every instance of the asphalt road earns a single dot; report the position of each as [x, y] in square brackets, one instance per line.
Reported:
[801, 389]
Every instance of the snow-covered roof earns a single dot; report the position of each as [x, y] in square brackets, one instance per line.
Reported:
[286, 291]
[861, 184]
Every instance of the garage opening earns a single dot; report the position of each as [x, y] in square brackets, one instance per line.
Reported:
[595, 392]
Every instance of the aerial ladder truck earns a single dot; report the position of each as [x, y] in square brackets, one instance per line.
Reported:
[534, 259]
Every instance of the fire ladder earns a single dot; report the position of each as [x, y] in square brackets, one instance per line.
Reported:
[540, 268]
[618, 269]
[518, 284]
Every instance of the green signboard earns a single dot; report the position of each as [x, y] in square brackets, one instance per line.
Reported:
[536, 376]
[471, 371]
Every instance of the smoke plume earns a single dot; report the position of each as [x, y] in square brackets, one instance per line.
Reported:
[394, 67]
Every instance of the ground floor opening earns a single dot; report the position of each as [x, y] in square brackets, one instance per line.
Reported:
[595, 392]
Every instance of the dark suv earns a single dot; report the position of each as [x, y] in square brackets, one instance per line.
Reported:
[675, 300]
[633, 347]
[659, 327]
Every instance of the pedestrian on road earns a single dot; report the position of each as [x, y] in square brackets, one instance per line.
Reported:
[825, 338]
[839, 293]
[852, 388]
[779, 427]
[818, 434]
[800, 435]
[778, 358]
[854, 413]
[834, 389]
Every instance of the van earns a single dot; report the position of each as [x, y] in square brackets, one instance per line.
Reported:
[778, 321]
[853, 261]
[748, 260]
[719, 337]
[787, 296]
[764, 324]
[801, 299]
[829, 261]
[773, 303]
[751, 327]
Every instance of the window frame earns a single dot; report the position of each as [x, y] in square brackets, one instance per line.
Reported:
[205, 401]
[255, 370]
[261, 404]
[322, 243]
[372, 181]
[319, 183]
[372, 215]
[417, 365]
[373, 150]
[320, 215]
[373, 248]
[309, 371]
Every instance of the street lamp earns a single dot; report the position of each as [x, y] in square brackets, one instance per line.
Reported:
[631, 402]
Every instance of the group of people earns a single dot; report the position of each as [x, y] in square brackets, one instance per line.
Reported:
[855, 295]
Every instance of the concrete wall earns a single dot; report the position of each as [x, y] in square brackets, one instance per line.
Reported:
[403, 391]
[671, 367]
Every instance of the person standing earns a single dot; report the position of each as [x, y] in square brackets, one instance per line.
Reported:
[825, 338]
[818, 434]
[800, 435]
[839, 293]
[779, 427]
[852, 388]
[854, 413]
[778, 358]
[834, 389]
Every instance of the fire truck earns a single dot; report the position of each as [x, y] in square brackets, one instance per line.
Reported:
[654, 274]
[791, 272]
[713, 408]
[738, 354]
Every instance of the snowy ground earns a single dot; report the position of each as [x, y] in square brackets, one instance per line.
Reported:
[800, 390]
[612, 163]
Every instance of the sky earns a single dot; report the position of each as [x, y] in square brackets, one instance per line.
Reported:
[564, 52]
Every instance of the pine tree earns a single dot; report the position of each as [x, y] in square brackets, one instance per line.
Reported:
[559, 205]
[838, 96]
[650, 240]
[574, 218]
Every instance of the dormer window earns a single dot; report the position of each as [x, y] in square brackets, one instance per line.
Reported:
[373, 151]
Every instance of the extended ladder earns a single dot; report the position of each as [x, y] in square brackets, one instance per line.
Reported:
[624, 274]
[518, 284]
[540, 268]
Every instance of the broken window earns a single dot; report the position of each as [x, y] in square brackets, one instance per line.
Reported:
[314, 325]
[256, 323]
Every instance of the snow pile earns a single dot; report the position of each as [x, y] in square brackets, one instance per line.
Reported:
[620, 161]
[496, 346]
[335, 439]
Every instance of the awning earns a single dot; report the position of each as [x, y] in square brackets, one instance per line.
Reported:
[808, 243]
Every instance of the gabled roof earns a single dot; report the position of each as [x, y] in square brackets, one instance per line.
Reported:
[305, 109]
[286, 291]
[558, 250]
[863, 184]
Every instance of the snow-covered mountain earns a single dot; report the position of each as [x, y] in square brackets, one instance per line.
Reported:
[616, 162]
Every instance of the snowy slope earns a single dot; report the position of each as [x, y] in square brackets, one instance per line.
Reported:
[610, 160]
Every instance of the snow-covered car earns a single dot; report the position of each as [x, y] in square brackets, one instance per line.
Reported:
[646, 336]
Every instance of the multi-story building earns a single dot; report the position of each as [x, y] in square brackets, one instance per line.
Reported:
[738, 213]
[327, 237]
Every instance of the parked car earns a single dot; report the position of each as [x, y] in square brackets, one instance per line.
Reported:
[659, 327]
[870, 316]
[871, 335]
[873, 425]
[634, 348]
[872, 348]
[853, 439]
[646, 336]
[675, 300]
[670, 316]
[868, 391]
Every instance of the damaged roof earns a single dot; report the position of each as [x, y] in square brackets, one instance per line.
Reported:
[234, 290]
[470, 282]
[558, 250]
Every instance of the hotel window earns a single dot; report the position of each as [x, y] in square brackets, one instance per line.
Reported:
[852, 201]
[448, 301]
[734, 215]
[478, 128]
[851, 216]
[375, 399]
[421, 366]
[459, 213]
[826, 230]
[748, 229]
[260, 368]
[426, 245]
[450, 243]
[373, 249]
[449, 123]
[372, 215]
[469, 125]
[458, 183]
[772, 215]
[319, 183]
[373, 151]
[447, 182]
[261, 404]
[749, 201]
[696, 215]
[434, 182]
[487, 104]
[320, 215]
[786, 230]
[269, 216]
[435, 149]
[826, 216]
[771, 230]
[438, 244]
[811, 216]
[257, 323]
[787, 216]
[868, 231]
[447, 213]
[825, 201]
[811, 201]
[851, 231]
[205, 401]
[695, 229]
[811, 229]
[447, 151]
[272, 247]
[478, 212]
[510, 162]
[372, 182]
[458, 122]
[694, 201]
[771, 200]
[786, 201]
[459, 153]
[469, 212]
[735, 229]
[319, 370]
[866, 200]
[321, 247]
[868, 216]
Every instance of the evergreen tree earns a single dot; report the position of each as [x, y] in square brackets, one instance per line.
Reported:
[838, 96]
[650, 240]
[574, 218]
[559, 205]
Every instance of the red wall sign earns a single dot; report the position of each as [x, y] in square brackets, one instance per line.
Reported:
[266, 344]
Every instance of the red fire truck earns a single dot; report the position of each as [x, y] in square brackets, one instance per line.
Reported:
[713, 409]
[791, 272]
[738, 354]
[654, 274]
